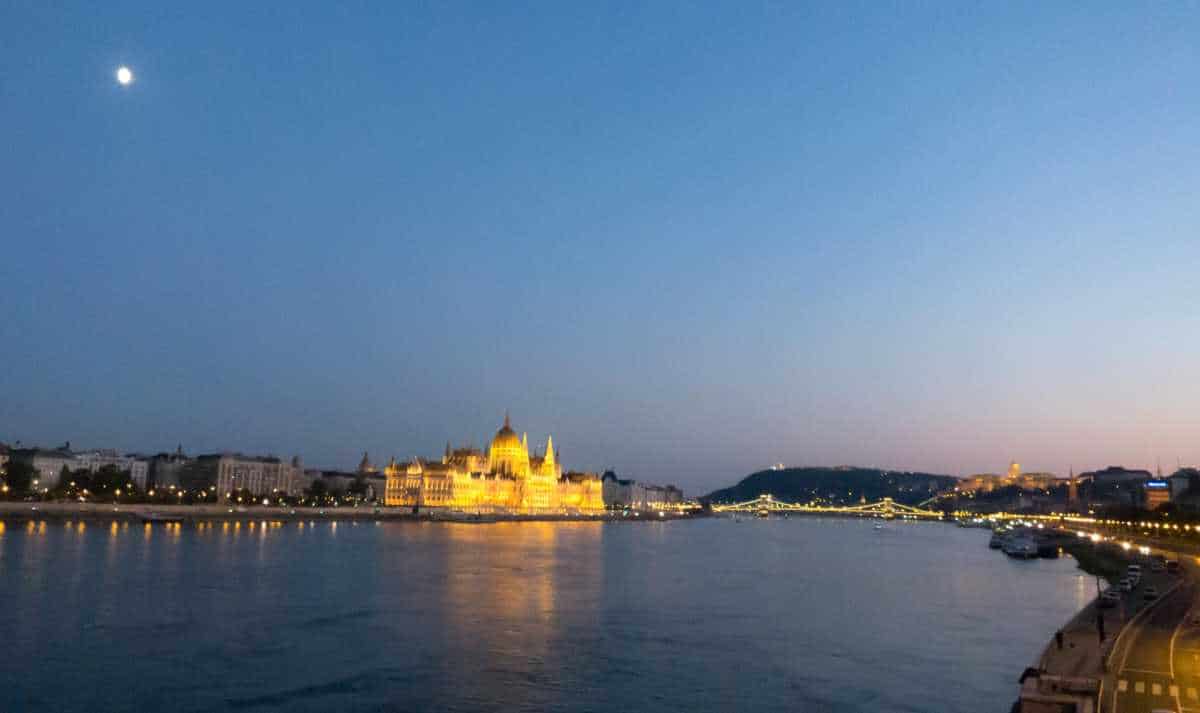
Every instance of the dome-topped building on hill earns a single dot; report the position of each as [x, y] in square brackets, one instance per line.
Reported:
[507, 479]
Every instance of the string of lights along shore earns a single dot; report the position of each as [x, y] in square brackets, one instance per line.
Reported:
[600, 357]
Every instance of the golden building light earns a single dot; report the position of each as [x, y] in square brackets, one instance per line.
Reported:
[508, 478]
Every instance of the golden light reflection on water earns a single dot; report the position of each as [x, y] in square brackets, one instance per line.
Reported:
[117, 527]
[507, 573]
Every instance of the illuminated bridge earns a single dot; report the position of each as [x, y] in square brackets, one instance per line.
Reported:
[887, 508]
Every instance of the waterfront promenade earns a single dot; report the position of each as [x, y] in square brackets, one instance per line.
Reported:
[1149, 659]
[140, 511]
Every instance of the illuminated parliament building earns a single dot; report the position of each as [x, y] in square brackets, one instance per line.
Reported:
[507, 479]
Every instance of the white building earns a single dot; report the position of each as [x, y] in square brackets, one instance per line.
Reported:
[49, 464]
[225, 473]
[622, 494]
[138, 468]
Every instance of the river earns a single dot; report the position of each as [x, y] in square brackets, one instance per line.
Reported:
[757, 615]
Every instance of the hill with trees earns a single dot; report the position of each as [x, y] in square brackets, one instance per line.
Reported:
[840, 485]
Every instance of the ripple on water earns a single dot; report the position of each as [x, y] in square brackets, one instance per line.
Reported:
[814, 615]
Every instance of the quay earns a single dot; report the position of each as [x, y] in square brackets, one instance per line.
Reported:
[1141, 663]
[140, 512]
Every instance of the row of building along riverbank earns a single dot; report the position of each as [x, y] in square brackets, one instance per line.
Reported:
[507, 477]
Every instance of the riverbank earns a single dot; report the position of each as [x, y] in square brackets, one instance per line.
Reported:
[1072, 667]
[27, 511]
[1106, 562]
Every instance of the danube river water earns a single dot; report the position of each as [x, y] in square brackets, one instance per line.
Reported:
[757, 615]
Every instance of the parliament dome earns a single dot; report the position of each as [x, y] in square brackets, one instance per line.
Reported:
[508, 454]
[506, 437]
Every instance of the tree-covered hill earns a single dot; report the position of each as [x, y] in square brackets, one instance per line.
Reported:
[841, 485]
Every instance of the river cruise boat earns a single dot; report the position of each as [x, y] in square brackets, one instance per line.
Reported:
[1021, 547]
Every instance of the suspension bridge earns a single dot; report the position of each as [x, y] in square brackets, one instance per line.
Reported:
[766, 504]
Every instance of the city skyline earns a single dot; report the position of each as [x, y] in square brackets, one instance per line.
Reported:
[688, 244]
[378, 459]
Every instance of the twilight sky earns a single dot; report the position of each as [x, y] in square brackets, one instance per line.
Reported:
[689, 240]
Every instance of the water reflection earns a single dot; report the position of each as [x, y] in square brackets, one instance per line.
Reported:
[316, 616]
[506, 601]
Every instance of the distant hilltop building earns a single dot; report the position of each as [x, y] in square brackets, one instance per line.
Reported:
[987, 482]
[507, 478]
[1120, 486]
[1116, 474]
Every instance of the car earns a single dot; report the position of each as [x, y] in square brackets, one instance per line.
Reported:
[1134, 569]
[1149, 593]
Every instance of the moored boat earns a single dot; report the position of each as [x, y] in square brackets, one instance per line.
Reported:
[1021, 547]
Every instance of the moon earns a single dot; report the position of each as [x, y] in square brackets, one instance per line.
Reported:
[124, 76]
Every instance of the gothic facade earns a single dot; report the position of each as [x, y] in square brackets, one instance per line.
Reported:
[505, 479]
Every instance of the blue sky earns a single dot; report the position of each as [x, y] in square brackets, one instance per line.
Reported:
[689, 240]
